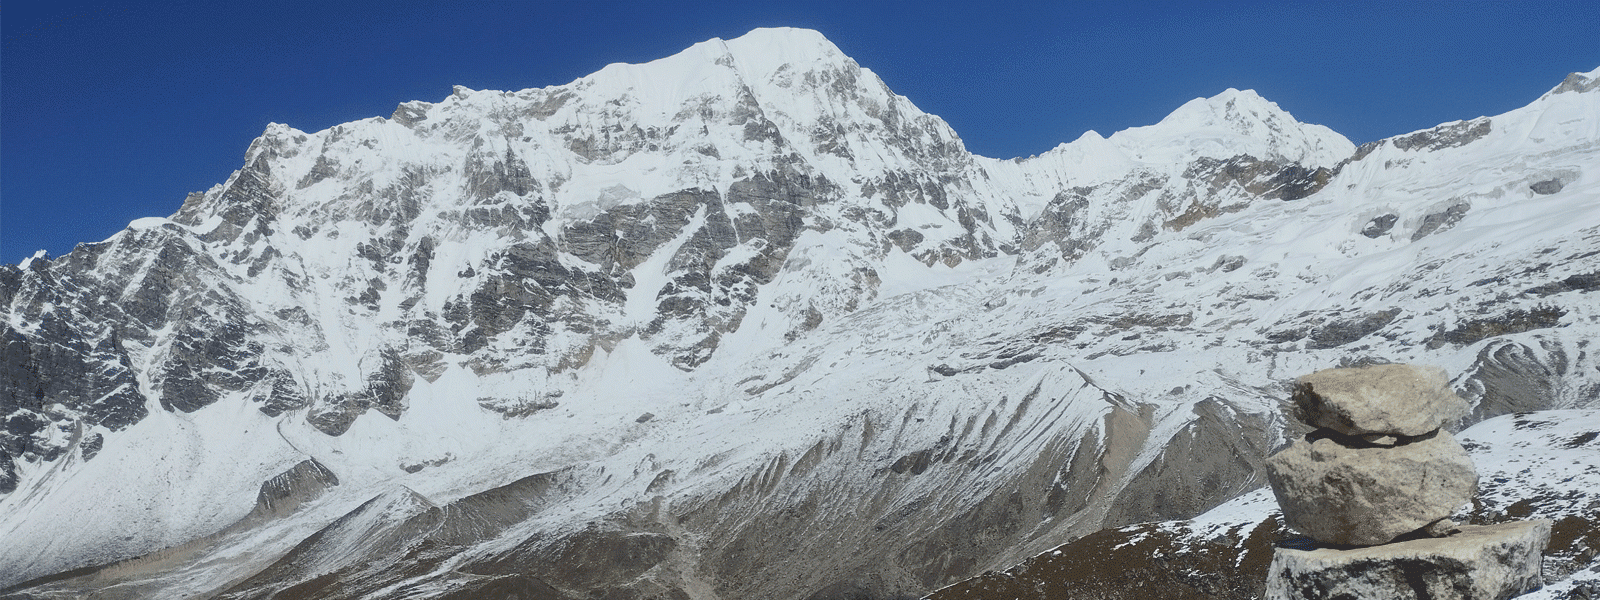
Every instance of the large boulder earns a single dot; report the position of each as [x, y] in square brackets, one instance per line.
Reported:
[1399, 400]
[1340, 490]
[1480, 563]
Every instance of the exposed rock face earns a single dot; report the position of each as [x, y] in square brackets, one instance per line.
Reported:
[1480, 563]
[1448, 135]
[1379, 225]
[1397, 400]
[286, 492]
[1346, 492]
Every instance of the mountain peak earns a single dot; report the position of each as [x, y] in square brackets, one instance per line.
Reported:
[763, 51]
[756, 55]
[1230, 123]
[728, 68]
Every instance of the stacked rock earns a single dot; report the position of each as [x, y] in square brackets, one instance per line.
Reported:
[1374, 485]
[1380, 464]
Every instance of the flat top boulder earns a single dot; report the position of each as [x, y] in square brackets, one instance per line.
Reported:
[1480, 563]
[1363, 496]
[1399, 400]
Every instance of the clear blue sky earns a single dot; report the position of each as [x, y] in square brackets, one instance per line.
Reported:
[114, 111]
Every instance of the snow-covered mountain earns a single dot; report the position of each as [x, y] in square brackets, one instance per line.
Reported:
[743, 323]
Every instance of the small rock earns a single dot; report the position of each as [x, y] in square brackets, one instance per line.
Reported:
[1441, 528]
[1401, 400]
[1339, 494]
[1548, 186]
[1380, 440]
[1379, 225]
[644, 417]
[1479, 563]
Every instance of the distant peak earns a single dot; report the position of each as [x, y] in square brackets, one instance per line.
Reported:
[1229, 105]
[1234, 122]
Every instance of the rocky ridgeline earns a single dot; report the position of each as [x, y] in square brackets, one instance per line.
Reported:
[1373, 486]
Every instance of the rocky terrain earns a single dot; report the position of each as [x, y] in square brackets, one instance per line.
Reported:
[1532, 465]
[743, 323]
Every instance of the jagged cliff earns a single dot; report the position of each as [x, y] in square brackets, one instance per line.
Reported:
[741, 322]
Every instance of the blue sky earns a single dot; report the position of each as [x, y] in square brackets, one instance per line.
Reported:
[114, 111]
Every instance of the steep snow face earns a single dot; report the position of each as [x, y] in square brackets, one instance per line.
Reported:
[744, 301]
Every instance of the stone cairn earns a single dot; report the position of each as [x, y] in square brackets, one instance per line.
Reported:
[1374, 484]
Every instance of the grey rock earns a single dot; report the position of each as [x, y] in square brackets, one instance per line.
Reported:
[279, 393]
[1482, 562]
[1576, 82]
[1265, 178]
[1340, 332]
[1228, 263]
[1063, 223]
[285, 492]
[1548, 186]
[1582, 282]
[905, 239]
[1379, 225]
[248, 198]
[489, 175]
[1340, 494]
[1449, 135]
[8, 473]
[1512, 321]
[91, 446]
[1394, 399]
[1363, 150]
[411, 113]
[1442, 528]
[1440, 221]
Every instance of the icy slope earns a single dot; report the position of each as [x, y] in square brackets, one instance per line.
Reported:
[745, 302]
